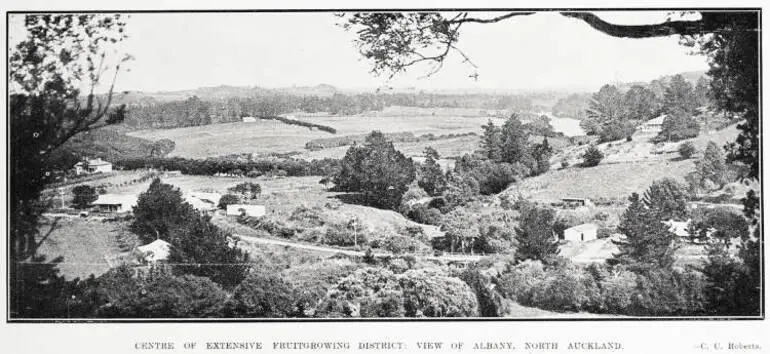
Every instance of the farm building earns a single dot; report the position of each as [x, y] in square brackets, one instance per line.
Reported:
[580, 233]
[249, 119]
[245, 209]
[115, 203]
[577, 202]
[92, 166]
[154, 251]
[680, 228]
[653, 125]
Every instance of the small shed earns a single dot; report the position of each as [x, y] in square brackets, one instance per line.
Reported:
[154, 251]
[580, 233]
[246, 209]
[249, 119]
[115, 203]
[577, 202]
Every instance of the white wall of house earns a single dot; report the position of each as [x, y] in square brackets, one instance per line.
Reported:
[581, 233]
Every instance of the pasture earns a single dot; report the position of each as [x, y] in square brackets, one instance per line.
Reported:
[260, 137]
[84, 245]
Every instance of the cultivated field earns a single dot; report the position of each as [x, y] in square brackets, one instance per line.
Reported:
[261, 137]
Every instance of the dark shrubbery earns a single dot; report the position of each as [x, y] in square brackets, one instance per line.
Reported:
[228, 199]
[84, 195]
[592, 157]
[686, 150]
[212, 166]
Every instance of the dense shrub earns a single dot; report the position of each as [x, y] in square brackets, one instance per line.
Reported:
[368, 292]
[228, 199]
[592, 156]
[158, 295]
[428, 293]
[686, 149]
[399, 244]
[263, 293]
[212, 166]
[344, 235]
[83, 196]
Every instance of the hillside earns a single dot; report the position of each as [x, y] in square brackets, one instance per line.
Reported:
[110, 143]
[627, 167]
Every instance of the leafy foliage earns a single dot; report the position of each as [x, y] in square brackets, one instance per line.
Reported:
[83, 196]
[377, 170]
[592, 156]
[535, 235]
[686, 150]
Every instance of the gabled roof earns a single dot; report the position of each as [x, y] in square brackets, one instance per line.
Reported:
[116, 199]
[157, 250]
[656, 121]
[95, 162]
[584, 227]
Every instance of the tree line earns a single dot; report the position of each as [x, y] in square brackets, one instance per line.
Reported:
[195, 111]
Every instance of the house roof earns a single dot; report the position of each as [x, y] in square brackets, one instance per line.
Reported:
[116, 199]
[584, 228]
[656, 121]
[156, 250]
[94, 162]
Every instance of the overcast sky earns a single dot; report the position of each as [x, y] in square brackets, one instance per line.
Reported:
[546, 50]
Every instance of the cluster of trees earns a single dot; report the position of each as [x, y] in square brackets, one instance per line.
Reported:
[613, 114]
[195, 111]
[198, 247]
[377, 170]
[711, 171]
[510, 144]
[239, 167]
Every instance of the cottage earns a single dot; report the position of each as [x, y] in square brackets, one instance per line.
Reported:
[580, 233]
[577, 202]
[154, 251]
[246, 209]
[90, 166]
[249, 119]
[653, 125]
[115, 203]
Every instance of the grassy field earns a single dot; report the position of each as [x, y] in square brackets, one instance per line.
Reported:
[263, 136]
[83, 244]
[628, 167]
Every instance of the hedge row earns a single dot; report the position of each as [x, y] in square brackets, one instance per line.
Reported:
[213, 166]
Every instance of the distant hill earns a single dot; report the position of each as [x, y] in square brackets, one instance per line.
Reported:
[110, 143]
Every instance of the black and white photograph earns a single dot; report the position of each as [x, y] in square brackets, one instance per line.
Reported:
[338, 165]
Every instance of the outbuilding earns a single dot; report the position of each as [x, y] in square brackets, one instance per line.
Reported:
[581, 233]
[154, 251]
[115, 203]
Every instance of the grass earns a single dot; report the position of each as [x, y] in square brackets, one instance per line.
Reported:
[627, 167]
[83, 244]
[263, 136]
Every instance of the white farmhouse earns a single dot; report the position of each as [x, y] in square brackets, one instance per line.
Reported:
[115, 203]
[249, 119]
[246, 209]
[92, 166]
[580, 233]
